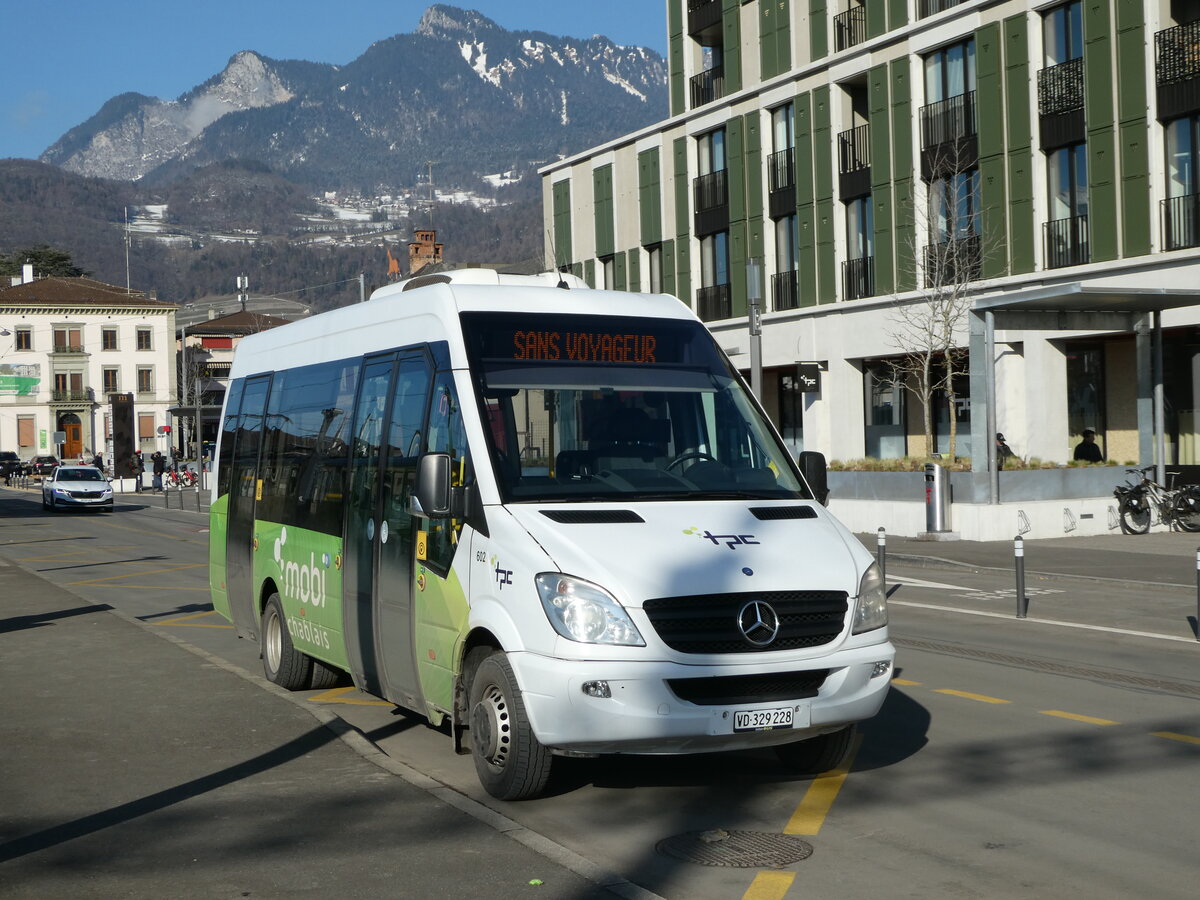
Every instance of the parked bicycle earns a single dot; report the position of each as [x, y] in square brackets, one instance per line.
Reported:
[1138, 501]
[180, 478]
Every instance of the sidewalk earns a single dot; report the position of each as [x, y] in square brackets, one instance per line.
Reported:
[1152, 559]
[135, 769]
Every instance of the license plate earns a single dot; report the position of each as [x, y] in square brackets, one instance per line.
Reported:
[762, 719]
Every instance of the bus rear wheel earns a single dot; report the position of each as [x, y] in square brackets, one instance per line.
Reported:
[283, 664]
[510, 761]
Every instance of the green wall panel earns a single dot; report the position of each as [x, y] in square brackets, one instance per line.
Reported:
[878, 106]
[1097, 64]
[993, 202]
[752, 140]
[735, 178]
[589, 272]
[1102, 194]
[822, 144]
[989, 95]
[1020, 214]
[768, 48]
[738, 252]
[882, 203]
[804, 147]
[818, 29]
[562, 223]
[806, 276]
[668, 267]
[897, 14]
[619, 273]
[885, 252]
[675, 13]
[1016, 75]
[1131, 73]
[650, 197]
[731, 25]
[1135, 187]
[683, 222]
[902, 155]
[602, 206]
[876, 17]
[633, 262]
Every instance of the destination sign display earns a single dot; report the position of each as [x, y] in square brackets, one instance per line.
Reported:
[585, 346]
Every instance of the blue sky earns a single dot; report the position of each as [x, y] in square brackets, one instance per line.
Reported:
[63, 59]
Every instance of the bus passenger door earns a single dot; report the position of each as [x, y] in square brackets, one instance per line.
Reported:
[379, 531]
[243, 486]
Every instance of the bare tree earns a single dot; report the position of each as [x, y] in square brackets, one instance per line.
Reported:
[946, 258]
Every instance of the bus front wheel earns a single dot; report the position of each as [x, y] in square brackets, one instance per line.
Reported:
[283, 664]
[510, 761]
[819, 754]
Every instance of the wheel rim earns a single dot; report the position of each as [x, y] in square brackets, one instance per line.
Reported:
[491, 729]
[273, 642]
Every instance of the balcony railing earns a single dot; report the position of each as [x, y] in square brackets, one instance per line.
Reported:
[703, 15]
[68, 348]
[850, 28]
[948, 120]
[781, 170]
[783, 290]
[1181, 222]
[711, 190]
[75, 395]
[1060, 88]
[926, 8]
[1177, 70]
[858, 278]
[708, 86]
[956, 260]
[1066, 242]
[714, 302]
[854, 150]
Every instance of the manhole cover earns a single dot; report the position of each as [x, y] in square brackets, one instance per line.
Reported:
[738, 849]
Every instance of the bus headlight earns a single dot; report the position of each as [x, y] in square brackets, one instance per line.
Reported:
[871, 610]
[581, 611]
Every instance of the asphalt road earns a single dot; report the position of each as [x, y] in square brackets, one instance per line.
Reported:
[1012, 758]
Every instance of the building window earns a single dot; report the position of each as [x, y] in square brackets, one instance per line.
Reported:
[859, 267]
[108, 339]
[711, 149]
[112, 381]
[654, 268]
[146, 426]
[68, 340]
[1067, 229]
[143, 339]
[791, 412]
[24, 339]
[885, 436]
[145, 380]
[713, 298]
[950, 71]
[1181, 211]
[1085, 390]
[787, 257]
[608, 271]
[1062, 33]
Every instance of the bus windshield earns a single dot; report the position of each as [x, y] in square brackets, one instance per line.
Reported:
[582, 408]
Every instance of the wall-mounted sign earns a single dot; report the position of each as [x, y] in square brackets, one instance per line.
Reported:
[808, 378]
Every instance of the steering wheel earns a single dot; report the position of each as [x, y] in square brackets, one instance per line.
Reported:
[690, 454]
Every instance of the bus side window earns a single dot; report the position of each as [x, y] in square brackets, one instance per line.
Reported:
[447, 435]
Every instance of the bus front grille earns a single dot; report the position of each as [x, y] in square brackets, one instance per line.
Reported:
[710, 623]
[729, 689]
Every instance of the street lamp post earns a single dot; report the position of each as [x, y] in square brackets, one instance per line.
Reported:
[754, 300]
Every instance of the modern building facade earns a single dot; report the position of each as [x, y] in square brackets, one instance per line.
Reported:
[1035, 163]
[67, 346]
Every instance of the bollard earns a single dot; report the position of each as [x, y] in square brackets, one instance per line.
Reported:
[881, 554]
[1019, 555]
[1197, 629]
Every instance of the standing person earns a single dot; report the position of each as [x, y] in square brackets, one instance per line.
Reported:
[138, 468]
[1088, 450]
[159, 467]
[98, 462]
[1003, 451]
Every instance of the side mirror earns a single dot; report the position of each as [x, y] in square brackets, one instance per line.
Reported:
[812, 466]
[431, 495]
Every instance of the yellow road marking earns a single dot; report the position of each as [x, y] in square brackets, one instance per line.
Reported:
[141, 573]
[818, 799]
[905, 682]
[769, 886]
[338, 695]
[1075, 717]
[185, 621]
[982, 698]
[1175, 736]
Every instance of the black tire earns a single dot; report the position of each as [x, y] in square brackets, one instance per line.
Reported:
[283, 664]
[1135, 514]
[819, 754]
[45, 502]
[323, 676]
[510, 761]
[1187, 509]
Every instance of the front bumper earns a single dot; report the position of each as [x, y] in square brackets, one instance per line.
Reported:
[645, 716]
[71, 500]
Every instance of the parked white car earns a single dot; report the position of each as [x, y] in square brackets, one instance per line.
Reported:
[77, 486]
